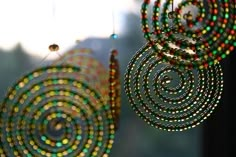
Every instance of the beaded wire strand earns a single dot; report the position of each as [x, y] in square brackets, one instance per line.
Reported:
[114, 77]
[114, 87]
[170, 98]
[216, 34]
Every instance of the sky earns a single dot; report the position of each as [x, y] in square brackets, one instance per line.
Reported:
[36, 24]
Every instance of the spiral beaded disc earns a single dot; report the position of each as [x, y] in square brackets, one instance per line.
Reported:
[192, 34]
[167, 97]
[115, 89]
[50, 113]
[92, 70]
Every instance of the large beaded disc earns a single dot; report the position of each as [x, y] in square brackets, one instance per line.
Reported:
[50, 113]
[93, 70]
[170, 98]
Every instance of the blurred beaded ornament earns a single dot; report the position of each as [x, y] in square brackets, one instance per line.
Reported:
[195, 34]
[170, 98]
[49, 112]
[114, 87]
[92, 70]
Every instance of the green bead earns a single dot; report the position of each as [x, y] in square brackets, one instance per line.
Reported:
[223, 56]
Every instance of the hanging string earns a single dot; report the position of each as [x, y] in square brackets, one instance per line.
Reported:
[113, 19]
[172, 5]
[53, 19]
[53, 8]
[42, 60]
[113, 36]
[53, 47]
[58, 54]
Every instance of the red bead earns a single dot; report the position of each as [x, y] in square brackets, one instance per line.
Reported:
[231, 48]
[232, 32]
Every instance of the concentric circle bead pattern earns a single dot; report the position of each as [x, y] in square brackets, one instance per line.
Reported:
[50, 113]
[195, 34]
[92, 70]
[170, 98]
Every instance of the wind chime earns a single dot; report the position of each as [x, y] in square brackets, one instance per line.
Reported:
[69, 108]
[175, 81]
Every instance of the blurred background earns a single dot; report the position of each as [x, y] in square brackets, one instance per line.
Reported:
[29, 27]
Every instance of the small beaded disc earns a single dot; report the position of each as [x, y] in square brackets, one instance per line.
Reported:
[50, 113]
[170, 98]
[192, 34]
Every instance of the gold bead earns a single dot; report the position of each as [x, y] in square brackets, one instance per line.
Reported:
[53, 47]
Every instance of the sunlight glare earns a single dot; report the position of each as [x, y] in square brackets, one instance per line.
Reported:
[36, 24]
